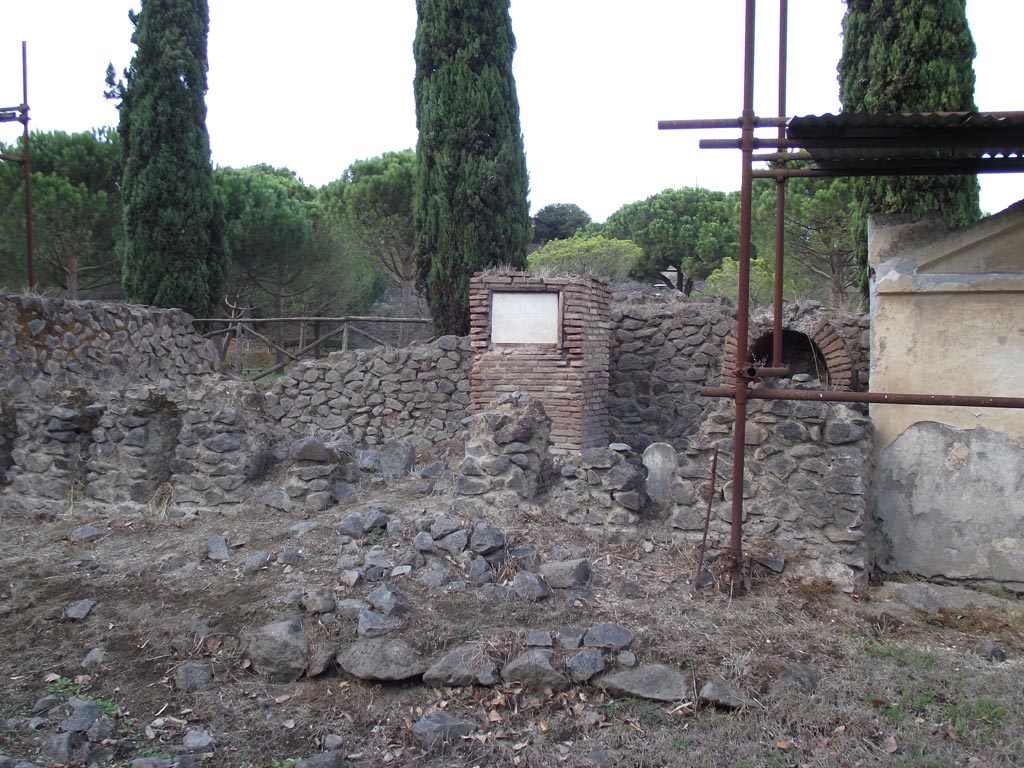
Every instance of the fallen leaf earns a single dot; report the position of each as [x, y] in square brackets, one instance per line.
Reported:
[889, 745]
[53, 677]
[520, 746]
[493, 716]
[782, 745]
[283, 698]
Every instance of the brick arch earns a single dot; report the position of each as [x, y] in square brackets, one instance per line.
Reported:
[827, 344]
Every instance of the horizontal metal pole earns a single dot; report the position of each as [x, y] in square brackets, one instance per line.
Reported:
[895, 398]
[727, 122]
[736, 144]
[779, 157]
[350, 319]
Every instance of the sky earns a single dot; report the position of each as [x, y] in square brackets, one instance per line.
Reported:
[314, 85]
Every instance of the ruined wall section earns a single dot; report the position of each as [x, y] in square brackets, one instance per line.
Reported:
[419, 393]
[47, 345]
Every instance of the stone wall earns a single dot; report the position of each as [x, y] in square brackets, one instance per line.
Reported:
[661, 355]
[51, 344]
[419, 392]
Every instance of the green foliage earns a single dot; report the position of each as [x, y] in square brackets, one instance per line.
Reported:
[174, 255]
[908, 56]
[470, 210]
[905, 656]
[724, 281]
[594, 255]
[76, 212]
[692, 229]
[558, 221]
[373, 200]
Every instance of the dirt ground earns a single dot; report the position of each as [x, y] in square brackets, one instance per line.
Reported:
[893, 687]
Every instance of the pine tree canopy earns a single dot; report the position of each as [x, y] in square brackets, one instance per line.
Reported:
[470, 209]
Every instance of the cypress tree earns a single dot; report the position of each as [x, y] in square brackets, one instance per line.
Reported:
[908, 56]
[469, 208]
[174, 254]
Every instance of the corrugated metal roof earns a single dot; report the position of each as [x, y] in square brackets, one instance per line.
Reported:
[898, 144]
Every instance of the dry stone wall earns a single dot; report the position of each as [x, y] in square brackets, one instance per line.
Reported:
[420, 392]
[51, 344]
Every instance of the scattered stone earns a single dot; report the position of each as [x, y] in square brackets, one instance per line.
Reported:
[389, 601]
[87, 532]
[289, 557]
[63, 748]
[318, 600]
[721, 696]
[198, 741]
[378, 659]
[656, 682]
[468, 664]
[566, 574]
[302, 527]
[397, 458]
[191, 676]
[626, 658]
[584, 664]
[334, 758]
[44, 704]
[773, 562]
[217, 548]
[534, 669]
[454, 543]
[94, 659]
[991, 651]
[350, 577]
[800, 678]
[531, 587]
[278, 498]
[401, 570]
[373, 624]
[441, 727]
[611, 637]
[279, 650]
[83, 714]
[257, 560]
[78, 610]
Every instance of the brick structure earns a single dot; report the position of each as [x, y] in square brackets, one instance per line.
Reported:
[569, 375]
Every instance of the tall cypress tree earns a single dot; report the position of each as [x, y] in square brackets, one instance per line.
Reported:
[469, 209]
[908, 56]
[174, 254]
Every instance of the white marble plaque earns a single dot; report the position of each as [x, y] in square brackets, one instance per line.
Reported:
[524, 318]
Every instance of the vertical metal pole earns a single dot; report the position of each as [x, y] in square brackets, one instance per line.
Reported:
[780, 193]
[743, 311]
[26, 165]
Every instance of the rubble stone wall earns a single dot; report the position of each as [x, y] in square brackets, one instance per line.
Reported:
[51, 344]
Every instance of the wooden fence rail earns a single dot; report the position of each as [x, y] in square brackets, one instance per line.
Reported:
[240, 328]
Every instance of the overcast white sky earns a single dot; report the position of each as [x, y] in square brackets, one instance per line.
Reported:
[316, 84]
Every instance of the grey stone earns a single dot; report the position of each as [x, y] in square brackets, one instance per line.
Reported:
[289, 557]
[662, 464]
[397, 458]
[331, 759]
[534, 669]
[279, 650]
[437, 727]
[626, 658]
[63, 748]
[721, 696]
[454, 543]
[198, 741]
[257, 560]
[311, 449]
[44, 704]
[217, 548]
[539, 638]
[302, 528]
[442, 526]
[379, 659]
[83, 714]
[389, 601]
[486, 539]
[318, 600]
[571, 637]
[991, 651]
[373, 624]
[191, 676]
[584, 664]
[352, 525]
[78, 610]
[657, 682]
[278, 498]
[918, 597]
[221, 443]
[531, 587]
[608, 636]
[598, 458]
[566, 574]
[94, 659]
[622, 477]
[87, 532]
[468, 664]
[799, 677]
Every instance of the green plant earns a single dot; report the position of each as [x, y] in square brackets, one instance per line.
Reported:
[467, 632]
[984, 715]
[906, 656]
[64, 687]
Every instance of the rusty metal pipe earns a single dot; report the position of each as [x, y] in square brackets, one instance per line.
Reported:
[895, 398]
[27, 169]
[780, 198]
[743, 310]
[726, 122]
[757, 371]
